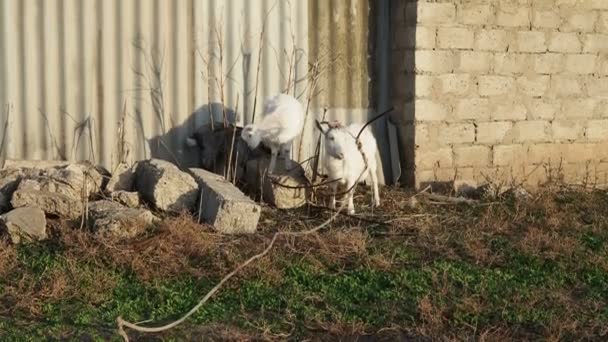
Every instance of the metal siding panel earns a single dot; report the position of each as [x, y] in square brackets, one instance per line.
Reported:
[91, 68]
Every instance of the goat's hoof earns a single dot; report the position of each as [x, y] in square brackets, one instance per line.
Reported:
[351, 211]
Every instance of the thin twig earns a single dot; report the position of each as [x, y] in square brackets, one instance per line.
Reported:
[200, 206]
[315, 167]
[4, 134]
[229, 161]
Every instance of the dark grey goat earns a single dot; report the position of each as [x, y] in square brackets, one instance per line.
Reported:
[215, 145]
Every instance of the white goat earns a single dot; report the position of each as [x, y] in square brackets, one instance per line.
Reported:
[282, 123]
[345, 162]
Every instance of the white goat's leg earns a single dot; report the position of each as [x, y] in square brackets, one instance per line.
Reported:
[332, 200]
[351, 195]
[273, 159]
[376, 199]
[286, 151]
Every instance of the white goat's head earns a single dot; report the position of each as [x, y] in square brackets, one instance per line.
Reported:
[252, 136]
[336, 138]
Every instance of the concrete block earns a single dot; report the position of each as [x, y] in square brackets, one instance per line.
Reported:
[434, 61]
[602, 25]
[454, 38]
[546, 153]
[581, 63]
[493, 132]
[564, 130]
[433, 13]
[473, 108]
[513, 15]
[422, 133]
[597, 130]
[428, 110]
[433, 158]
[598, 87]
[580, 22]
[549, 63]
[473, 61]
[566, 86]
[534, 85]
[579, 153]
[456, 133]
[564, 43]
[475, 14]
[495, 85]
[532, 131]
[510, 63]
[420, 37]
[491, 40]
[543, 109]
[603, 65]
[598, 4]
[578, 108]
[457, 84]
[509, 111]
[548, 19]
[224, 206]
[531, 41]
[601, 109]
[509, 155]
[596, 43]
[398, 13]
[425, 85]
[425, 37]
[472, 156]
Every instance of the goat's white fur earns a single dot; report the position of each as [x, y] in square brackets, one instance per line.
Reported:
[344, 161]
[282, 123]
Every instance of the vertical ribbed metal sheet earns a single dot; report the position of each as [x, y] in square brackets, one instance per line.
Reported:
[76, 73]
[107, 80]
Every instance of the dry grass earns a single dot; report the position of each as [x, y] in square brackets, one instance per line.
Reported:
[553, 247]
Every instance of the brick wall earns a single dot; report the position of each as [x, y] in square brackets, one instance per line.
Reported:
[505, 90]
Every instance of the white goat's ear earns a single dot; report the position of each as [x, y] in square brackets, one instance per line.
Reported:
[191, 142]
[320, 126]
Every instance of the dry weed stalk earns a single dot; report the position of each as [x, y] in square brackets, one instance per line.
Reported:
[4, 133]
[227, 169]
[59, 150]
[122, 147]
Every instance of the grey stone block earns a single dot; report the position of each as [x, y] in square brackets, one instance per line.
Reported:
[224, 206]
[164, 186]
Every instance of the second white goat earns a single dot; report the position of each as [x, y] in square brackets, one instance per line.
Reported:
[344, 161]
[282, 123]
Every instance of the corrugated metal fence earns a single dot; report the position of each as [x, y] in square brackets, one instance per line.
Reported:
[112, 80]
